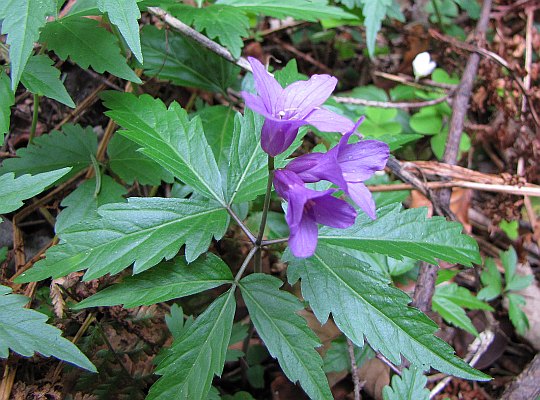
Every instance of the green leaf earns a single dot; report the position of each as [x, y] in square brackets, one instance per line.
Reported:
[7, 99]
[514, 282]
[398, 233]
[218, 125]
[308, 10]
[374, 12]
[82, 204]
[131, 165]
[22, 20]
[73, 147]
[124, 14]
[364, 305]
[226, 23]
[14, 191]
[517, 316]
[462, 297]
[197, 355]
[438, 143]
[175, 321]
[169, 138]
[143, 231]
[337, 357]
[427, 121]
[87, 44]
[167, 281]
[379, 122]
[25, 331]
[411, 385]
[492, 281]
[285, 334]
[40, 77]
[170, 56]
[248, 166]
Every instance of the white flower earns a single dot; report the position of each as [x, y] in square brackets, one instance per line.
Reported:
[422, 65]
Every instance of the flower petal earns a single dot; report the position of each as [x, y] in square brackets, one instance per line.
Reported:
[300, 98]
[278, 135]
[267, 87]
[333, 212]
[303, 238]
[361, 195]
[328, 121]
[256, 104]
[360, 160]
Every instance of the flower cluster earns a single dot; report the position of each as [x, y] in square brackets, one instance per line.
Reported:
[346, 165]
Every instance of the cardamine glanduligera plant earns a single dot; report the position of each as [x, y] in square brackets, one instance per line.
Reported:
[338, 241]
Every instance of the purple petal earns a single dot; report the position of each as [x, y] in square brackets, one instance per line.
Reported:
[361, 195]
[267, 87]
[307, 166]
[360, 160]
[303, 238]
[256, 104]
[300, 98]
[328, 121]
[278, 135]
[334, 212]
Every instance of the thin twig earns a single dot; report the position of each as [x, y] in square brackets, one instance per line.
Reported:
[409, 81]
[241, 224]
[388, 363]
[245, 263]
[390, 104]
[354, 370]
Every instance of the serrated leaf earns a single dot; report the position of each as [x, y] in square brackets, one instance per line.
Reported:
[25, 331]
[170, 56]
[72, 147]
[125, 14]
[308, 10]
[14, 191]
[453, 313]
[406, 233]
[7, 99]
[514, 282]
[167, 281]
[197, 355]
[363, 304]
[218, 124]
[517, 316]
[285, 333]
[228, 24]
[462, 297]
[82, 204]
[492, 281]
[142, 231]
[131, 165]
[411, 385]
[87, 44]
[168, 137]
[247, 172]
[40, 77]
[374, 12]
[22, 20]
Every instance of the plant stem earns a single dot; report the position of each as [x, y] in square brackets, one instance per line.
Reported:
[267, 196]
[34, 119]
[438, 14]
[245, 264]
[243, 226]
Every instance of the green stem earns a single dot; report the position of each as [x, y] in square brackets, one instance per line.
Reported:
[34, 119]
[438, 14]
[266, 206]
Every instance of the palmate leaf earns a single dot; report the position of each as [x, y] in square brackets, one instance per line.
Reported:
[124, 14]
[87, 44]
[72, 147]
[364, 305]
[170, 56]
[197, 355]
[25, 331]
[14, 191]
[167, 281]
[411, 385]
[406, 233]
[285, 334]
[142, 231]
[131, 165]
[226, 23]
[168, 137]
[82, 204]
[308, 10]
[40, 77]
[22, 20]
[7, 99]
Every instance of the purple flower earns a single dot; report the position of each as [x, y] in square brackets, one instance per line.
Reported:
[308, 207]
[347, 166]
[286, 110]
